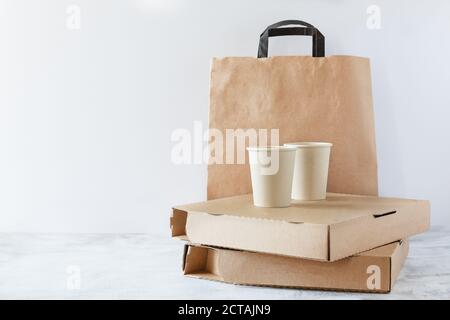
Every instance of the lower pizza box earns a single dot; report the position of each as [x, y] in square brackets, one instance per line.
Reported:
[372, 271]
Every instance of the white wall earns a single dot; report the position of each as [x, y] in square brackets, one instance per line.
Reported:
[86, 115]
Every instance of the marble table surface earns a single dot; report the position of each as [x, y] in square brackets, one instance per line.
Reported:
[146, 266]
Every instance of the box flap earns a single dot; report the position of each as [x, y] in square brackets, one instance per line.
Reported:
[194, 259]
[178, 222]
[201, 262]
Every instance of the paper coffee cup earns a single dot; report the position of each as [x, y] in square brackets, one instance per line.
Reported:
[272, 170]
[310, 170]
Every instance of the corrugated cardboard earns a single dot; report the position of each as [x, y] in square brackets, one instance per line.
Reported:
[328, 230]
[371, 271]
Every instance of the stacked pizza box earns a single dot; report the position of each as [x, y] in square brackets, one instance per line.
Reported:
[346, 242]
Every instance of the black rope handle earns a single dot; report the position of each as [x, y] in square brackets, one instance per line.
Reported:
[274, 30]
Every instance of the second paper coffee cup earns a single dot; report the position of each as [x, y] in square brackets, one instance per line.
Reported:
[311, 170]
[272, 170]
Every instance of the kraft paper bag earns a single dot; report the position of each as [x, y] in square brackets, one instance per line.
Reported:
[308, 98]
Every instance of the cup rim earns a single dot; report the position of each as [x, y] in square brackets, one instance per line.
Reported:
[309, 144]
[271, 148]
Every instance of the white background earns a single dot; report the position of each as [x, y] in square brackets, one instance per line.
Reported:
[86, 115]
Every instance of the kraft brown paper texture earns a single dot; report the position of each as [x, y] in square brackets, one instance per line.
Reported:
[307, 99]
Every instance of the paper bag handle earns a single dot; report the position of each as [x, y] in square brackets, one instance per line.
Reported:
[274, 30]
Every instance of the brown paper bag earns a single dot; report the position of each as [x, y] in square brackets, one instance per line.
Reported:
[314, 98]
